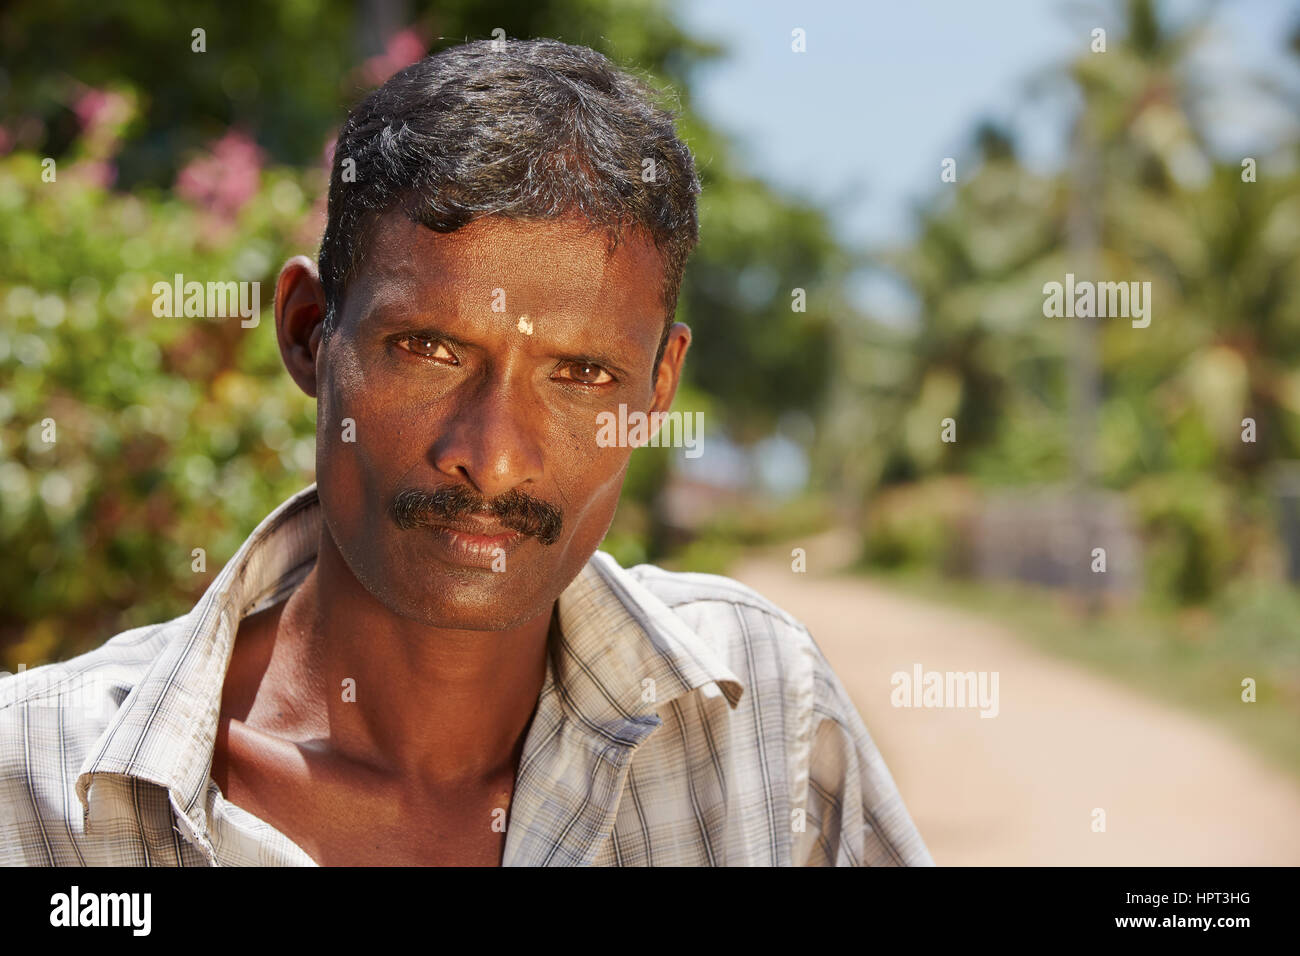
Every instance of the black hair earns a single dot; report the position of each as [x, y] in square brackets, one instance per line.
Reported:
[523, 129]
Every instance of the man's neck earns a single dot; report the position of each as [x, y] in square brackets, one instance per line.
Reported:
[423, 705]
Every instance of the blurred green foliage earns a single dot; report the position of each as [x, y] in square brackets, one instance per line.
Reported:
[912, 527]
[1223, 344]
[169, 433]
[748, 527]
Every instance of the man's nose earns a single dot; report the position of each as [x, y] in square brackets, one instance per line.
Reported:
[489, 440]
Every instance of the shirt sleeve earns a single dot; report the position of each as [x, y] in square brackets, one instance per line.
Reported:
[855, 815]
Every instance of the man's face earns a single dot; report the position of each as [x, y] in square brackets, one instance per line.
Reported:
[468, 369]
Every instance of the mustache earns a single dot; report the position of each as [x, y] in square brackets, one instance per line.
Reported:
[415, 508]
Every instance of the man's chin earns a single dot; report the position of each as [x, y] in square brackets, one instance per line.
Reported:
[476, 601]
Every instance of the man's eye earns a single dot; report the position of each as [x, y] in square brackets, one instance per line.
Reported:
[585, 373]
[426, 347]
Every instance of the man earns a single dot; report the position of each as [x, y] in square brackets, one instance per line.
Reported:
[423, 659]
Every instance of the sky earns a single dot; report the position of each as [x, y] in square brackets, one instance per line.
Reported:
[860, 123]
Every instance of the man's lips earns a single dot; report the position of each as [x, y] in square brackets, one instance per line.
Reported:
[474, 541]
[477, 529]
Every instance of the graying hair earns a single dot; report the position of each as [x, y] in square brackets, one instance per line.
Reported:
[530, 130]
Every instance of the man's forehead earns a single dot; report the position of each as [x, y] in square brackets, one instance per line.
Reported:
[557, 260]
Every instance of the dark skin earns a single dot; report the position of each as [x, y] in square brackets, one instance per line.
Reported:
[448, 655]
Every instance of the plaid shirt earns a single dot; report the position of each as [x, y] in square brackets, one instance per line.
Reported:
[684, 720]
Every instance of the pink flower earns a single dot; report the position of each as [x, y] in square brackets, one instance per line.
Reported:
[90, 105]
[224, 180]
[97, 172]
[103, 115]
[401, 50]
[98, 108]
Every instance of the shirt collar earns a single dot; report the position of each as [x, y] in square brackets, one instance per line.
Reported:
[621, 655]
[165, 730]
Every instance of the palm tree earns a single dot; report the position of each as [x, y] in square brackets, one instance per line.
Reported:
[1155, 410]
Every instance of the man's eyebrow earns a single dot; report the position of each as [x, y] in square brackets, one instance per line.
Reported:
[394, 321]
[398, 312]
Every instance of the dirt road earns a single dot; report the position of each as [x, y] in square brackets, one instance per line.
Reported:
[1023, 787]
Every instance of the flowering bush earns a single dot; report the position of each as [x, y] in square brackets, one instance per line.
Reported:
[128, 441]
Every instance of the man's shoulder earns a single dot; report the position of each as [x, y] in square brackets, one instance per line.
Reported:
[52, 718]
[795, 743]
[80, 694]
[687, 591]
[763, 644]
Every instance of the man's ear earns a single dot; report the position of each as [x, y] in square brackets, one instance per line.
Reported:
[669, 373]
[300, 320]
